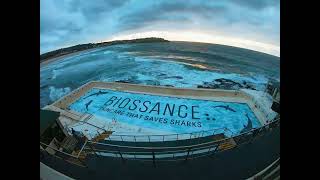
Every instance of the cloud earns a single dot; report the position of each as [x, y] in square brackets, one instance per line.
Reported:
[63, 23]
[258, 5]
[95, 10]
[168, 12]
[69, 22]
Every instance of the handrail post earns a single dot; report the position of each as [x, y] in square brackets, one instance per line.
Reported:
[214, 152]
[98, 133]
[121, 138]
[254, 134]
[83, 146]
[209, 149]
[153, 159]
[188, 154]
[149, 138]
[123, 161]
[89, 144]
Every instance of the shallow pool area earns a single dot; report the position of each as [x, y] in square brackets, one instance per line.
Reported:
[165, 113]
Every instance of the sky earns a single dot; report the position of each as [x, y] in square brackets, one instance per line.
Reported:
[251, 24]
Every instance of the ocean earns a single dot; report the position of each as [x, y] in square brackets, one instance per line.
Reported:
[177, 64]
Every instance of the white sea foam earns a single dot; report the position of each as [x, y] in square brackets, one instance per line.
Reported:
[139, 59]
[107, 52]
[56, 93]
[55, 73]
[264, 100]
[190, 77]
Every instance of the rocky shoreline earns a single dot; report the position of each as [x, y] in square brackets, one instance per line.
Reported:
[223, 83]
[220, 83]
[81, 47]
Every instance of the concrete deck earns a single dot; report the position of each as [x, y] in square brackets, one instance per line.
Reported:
[47, 173]
[239, 163]
[192, 93]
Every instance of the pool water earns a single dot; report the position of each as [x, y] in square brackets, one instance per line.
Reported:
[169, 114]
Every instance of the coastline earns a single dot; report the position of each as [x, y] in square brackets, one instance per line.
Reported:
[89, 47]
[50, 60]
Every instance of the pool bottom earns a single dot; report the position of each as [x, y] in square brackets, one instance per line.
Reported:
[152, 114]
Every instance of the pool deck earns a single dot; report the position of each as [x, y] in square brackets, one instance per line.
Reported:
[255, 101]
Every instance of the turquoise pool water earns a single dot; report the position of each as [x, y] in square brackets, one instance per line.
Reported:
[170, 114]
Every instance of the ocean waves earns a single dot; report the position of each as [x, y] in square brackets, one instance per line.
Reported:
[115, 64]
[56, 93]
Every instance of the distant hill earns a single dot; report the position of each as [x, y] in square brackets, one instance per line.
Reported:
[80, 47]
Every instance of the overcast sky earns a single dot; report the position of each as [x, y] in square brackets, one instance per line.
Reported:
[252, 24]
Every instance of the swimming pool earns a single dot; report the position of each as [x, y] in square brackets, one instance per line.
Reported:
[164, 113]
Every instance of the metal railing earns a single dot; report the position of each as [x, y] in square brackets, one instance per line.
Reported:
[164, 153]
[74, 159]
[154, 138]
[272, 170]
[170, 137]
[176, 153]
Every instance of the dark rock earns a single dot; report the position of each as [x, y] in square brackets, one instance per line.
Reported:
[122, 81]
[44, 86]
[162, 74]
[223, 83]
[177, 77]
[249, 86]
[228, 82]
[151, 82]
[205, 87]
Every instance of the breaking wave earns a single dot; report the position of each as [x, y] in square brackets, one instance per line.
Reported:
[56, 93]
